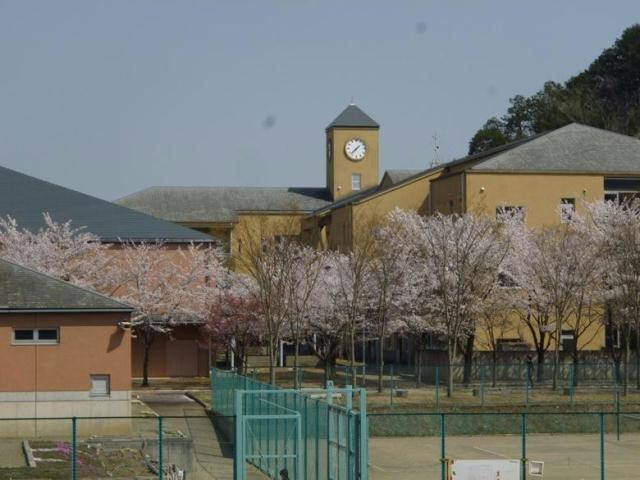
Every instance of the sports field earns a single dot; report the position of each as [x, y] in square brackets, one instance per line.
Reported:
[565, 456]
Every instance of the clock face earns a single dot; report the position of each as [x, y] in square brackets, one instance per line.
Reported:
[355, 149]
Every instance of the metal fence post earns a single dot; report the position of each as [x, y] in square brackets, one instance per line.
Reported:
[437, 388]
[364, 437]
[160, 459]
[526, 385]
[617, 394]
[74, 447]
[391, 386]
[602, 473]
[523, 431]
[443, 459]
[482, 385]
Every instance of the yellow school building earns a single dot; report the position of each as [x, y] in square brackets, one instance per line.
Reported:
[563, 166]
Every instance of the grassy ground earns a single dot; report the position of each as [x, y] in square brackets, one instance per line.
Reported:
[91, 463]
[504, 397]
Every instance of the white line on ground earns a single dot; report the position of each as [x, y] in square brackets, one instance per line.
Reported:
[490, 452]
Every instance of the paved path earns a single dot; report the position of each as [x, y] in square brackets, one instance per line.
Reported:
[213, 451]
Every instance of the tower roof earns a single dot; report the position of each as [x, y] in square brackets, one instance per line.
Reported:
[353, 116]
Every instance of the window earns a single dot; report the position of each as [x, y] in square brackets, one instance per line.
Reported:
[621, 190]
[567, 209]
[46, 336]
[100, 385]
[356, 181]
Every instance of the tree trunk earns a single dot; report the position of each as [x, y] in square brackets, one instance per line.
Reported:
[451, 351]
[627, 359]
[380, 362]
[556, 357]
[418, 366]
[273, 358]
[540, 362]
[296, 346]
[468, 359]
[145, 366]
[354, 378]
[494, 367]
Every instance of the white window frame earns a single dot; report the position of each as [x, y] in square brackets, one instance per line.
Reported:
[96, 376]
[353, 177]
[36, 334]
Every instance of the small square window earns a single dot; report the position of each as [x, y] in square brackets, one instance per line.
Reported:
[356, 181]
[47, 335]
[100, 385]
[24, 335]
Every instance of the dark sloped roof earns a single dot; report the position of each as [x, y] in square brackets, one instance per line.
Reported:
[26, 198]
[353, 116]
[396, 176]
[24, 289]
[575, 148]
[220, 204]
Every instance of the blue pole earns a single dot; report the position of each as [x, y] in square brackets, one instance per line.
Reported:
[160, 459]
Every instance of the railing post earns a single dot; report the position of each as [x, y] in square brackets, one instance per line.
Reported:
[482, 385]
[364, 436]
[238, 446]
[523, 431]
[443, 452]
[391, 386]
[160, 453]
[437, 387]
[74, 447]
[602, 473]
[526, 385]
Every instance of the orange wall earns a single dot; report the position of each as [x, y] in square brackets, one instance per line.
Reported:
[161, 354]
[90, 343]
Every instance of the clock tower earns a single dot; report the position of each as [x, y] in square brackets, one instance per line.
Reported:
[352, 153]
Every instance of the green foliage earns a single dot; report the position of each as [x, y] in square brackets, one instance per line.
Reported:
[606, 95]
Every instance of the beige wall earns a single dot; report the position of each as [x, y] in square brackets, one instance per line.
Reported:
[540, 194]
[340, 168]
[447, 194]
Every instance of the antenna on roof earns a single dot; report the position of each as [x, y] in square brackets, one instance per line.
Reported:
[436, 154]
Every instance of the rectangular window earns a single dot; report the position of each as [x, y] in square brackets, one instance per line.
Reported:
[567, 209]
[100, 385]
[356, 181]
[46, 336]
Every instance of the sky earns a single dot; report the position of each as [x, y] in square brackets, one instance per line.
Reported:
[110, 97]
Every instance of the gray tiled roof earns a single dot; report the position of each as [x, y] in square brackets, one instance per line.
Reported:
[24, 289]
[220, 204]
[353, 116]
[26, 198]
[396, 176]
[575, 147]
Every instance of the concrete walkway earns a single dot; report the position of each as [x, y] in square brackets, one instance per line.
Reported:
[213, 452]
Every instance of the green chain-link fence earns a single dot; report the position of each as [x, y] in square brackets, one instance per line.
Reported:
[314, 434]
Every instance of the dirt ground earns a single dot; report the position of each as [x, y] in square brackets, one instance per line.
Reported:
[565, 457]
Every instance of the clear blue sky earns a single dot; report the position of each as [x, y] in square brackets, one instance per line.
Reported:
[109, 97]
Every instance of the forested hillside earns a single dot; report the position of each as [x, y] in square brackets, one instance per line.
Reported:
[605, 95]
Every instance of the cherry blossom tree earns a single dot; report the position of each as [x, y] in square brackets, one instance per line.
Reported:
[328, 322]
[58, 249]
[392, 277]
[353, 274]
[465, 254]
[306, 267]
[615, 229]
[165, 287]
[271, 265]
[235, 320]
